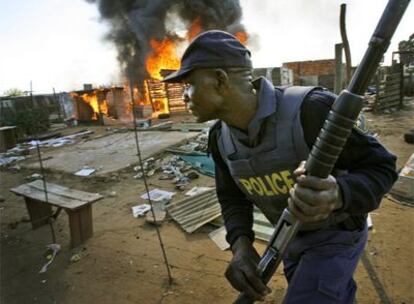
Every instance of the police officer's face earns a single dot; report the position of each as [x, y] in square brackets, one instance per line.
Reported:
[201, 94]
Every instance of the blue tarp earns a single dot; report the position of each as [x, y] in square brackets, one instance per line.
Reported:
[202, 163]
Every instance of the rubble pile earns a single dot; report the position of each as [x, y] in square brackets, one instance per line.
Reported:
[22, 150]
[171, 167]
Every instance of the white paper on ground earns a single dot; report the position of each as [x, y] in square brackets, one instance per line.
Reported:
[218, 236]
[85, 172]
[197, 190]
[369, 221]
[140, 210]
[158, 195]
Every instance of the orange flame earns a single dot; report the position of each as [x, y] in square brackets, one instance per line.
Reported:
[163, 56]
[92, 100]
[242, 36]
[195, 29]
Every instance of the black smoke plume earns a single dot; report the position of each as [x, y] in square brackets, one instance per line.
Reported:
[133, 23]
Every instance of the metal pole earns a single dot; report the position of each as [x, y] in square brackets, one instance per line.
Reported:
[170, 279]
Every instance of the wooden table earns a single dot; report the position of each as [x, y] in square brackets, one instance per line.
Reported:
[77, 204]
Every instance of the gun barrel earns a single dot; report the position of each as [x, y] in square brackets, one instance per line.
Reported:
[378, 45]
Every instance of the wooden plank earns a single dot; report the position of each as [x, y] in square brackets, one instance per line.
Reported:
[389, 98]
[392, 76]
[53, 198]
[389, 94]
[65, 191]
[69, 192]
[389, 87]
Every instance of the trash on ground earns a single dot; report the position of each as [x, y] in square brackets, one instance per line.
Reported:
[197, 190]
[140, 210]
[159, 216]
[403, 189]
[54, 249]
[369, 221]
[75, 258]
[193, 212]
[34, 177]
[158, 195]
[85, 172]
[218, 236]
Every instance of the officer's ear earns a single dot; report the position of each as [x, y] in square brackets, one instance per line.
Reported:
[222, 79]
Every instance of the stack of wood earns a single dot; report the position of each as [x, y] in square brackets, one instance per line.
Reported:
[175, 93]
[157, 95]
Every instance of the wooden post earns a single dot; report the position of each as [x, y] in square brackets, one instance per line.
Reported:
[338, 85]
[80, 223]
[345, 43]
[39, 212]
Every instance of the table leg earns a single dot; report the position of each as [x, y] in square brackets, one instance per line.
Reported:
[80, 222]
[39, 212]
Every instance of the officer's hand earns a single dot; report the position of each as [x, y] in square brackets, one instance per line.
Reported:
[313, 198]
[242, 270]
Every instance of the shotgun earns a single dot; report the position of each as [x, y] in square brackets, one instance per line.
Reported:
[333, 135]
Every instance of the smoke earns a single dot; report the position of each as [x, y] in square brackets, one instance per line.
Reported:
[133, 23]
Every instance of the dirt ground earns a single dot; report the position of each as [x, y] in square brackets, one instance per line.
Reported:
[122, 263]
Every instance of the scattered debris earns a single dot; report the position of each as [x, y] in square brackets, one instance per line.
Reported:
[112, 194]
[195, 211]
[86, 171]
[195, 146]
[143, 123]
[52, 251]
[2, 199]
[218, 236]
[159, 216]
[75, 258]
[197, 190]
[33, 177]
[140, 210]
[370, 225]
[22, 151]
[5, 160]
[158, 195]
[403, 189]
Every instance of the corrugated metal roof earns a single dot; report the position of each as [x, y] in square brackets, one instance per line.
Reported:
[262, 228]
[193, 212]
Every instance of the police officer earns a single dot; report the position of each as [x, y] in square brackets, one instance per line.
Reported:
[262, 136]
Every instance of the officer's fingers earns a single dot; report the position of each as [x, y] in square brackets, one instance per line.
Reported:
[302, 199]
[255, 281]
[244, 286]
[316, 183]
[300, 169]
[306, 213]
[239, 281]
[306, 195]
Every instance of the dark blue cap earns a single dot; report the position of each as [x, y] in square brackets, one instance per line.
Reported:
[212, 49]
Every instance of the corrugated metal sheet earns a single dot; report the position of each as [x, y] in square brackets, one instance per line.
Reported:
[193, 212]
[262, 228]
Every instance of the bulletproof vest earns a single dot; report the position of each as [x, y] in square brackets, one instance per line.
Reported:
[265, 172]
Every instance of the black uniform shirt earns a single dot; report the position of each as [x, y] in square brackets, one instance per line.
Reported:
[371, 168]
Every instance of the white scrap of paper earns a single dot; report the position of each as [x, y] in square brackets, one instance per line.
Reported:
[369, 221]
[158, 195]
[85, 172]
[197, 190]
[140, 210]
[55, 249]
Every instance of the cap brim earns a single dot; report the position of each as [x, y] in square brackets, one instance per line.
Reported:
[177, 76]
